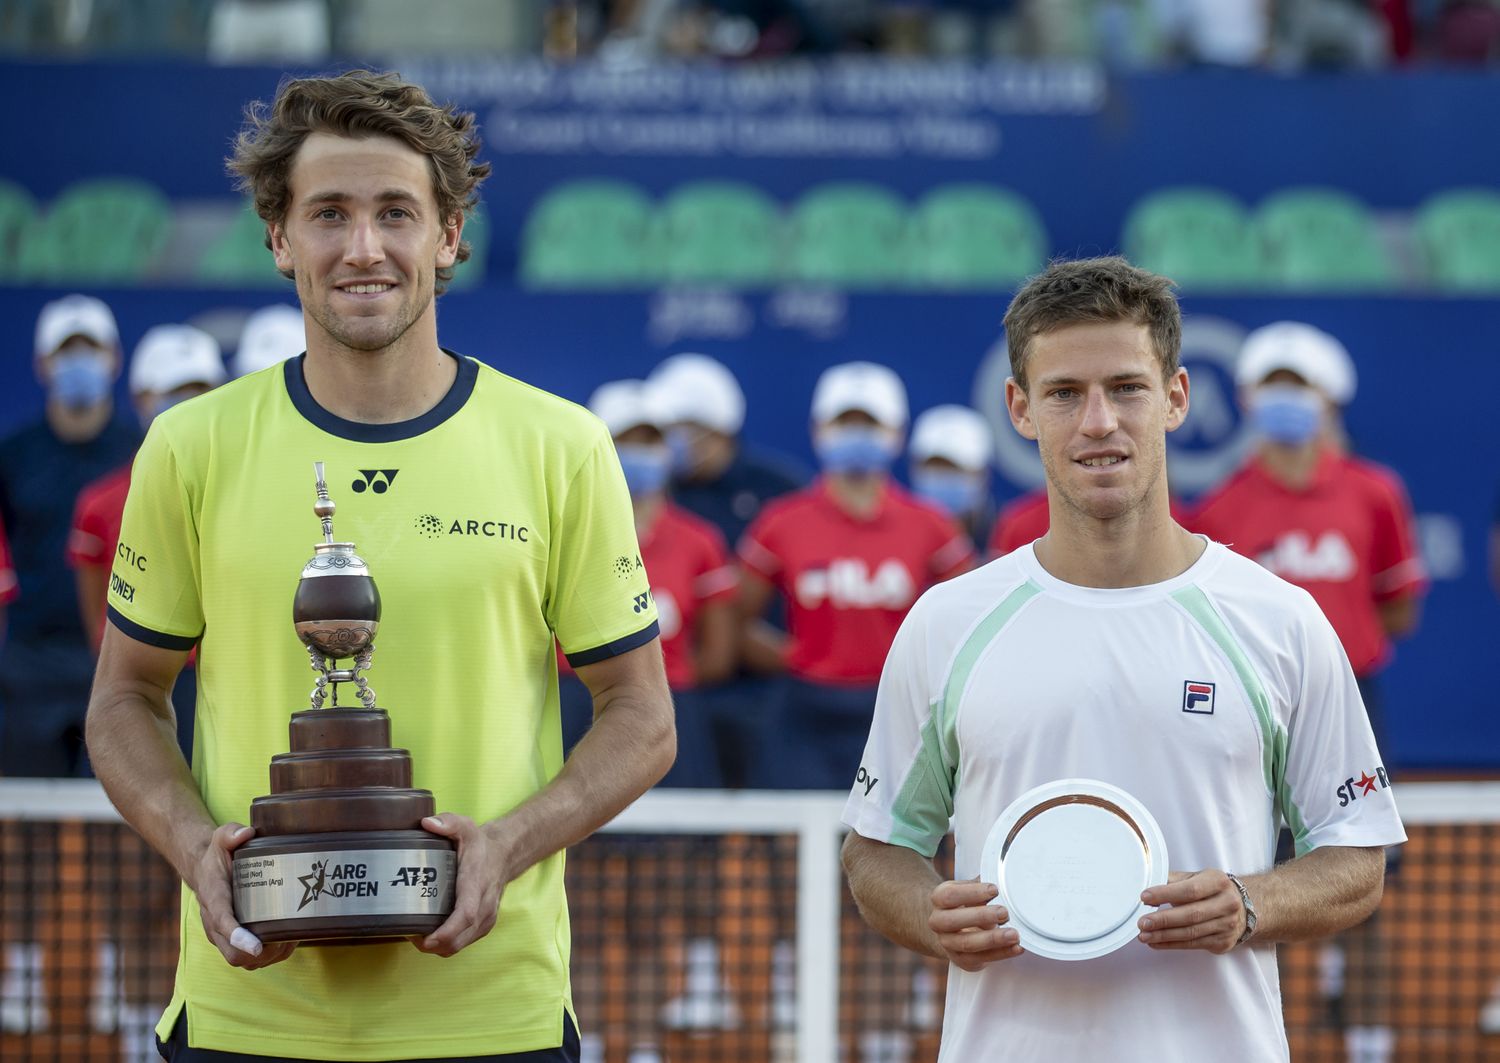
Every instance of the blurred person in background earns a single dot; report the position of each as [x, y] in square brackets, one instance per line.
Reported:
[46, 666]
[950, 454]
[694, 584]
[1341, 528]
[849, 555]
[693, 580]
[269, 337]
[171, 364]
[726, 481]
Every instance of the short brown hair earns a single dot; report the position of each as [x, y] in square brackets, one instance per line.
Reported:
[1093, 291]
[360, 103]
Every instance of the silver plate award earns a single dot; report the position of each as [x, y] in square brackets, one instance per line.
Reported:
[1070, 859]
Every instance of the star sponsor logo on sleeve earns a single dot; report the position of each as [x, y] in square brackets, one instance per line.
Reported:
[1367, 784]
[626, 566]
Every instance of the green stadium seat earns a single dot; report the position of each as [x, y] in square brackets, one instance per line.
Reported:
[17, 216]
[1459, 231]
[720, 232]
[240, 257]
[104, 230]
[1321, 239]
[589, 234]
[849, 234]
[1200, 237]
[975, 236]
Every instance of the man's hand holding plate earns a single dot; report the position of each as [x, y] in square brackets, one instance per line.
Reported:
[1204, 912]
[967, 929]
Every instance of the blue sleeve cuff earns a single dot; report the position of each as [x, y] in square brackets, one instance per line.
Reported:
[147, 635]
[615, 648]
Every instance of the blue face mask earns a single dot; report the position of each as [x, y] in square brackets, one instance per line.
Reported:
[1286, 413]
[80, 379]
[646, 467]
[958, 493]
[855, 449]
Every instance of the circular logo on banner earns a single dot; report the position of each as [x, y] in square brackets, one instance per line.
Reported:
[1211, 443]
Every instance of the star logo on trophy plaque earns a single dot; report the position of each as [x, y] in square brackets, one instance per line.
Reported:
[312, 884]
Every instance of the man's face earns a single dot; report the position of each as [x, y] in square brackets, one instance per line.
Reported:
[363, 234]
[1099, 411]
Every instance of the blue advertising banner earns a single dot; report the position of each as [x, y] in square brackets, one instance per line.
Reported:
[1081, 146]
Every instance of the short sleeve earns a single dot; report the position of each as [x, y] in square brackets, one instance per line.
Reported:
[1396, 569]
[155, 587]
[1334, 788]
[903, 791]
[598, 600]
[954, 553]
[759, 548]
[716, 579]
[87, 547]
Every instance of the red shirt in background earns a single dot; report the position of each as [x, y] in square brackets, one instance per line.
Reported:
[97, 516]
[688, 565]
[1347, 538]
[687, 562]
[848, 582]
[10, 589]
[1023, 520]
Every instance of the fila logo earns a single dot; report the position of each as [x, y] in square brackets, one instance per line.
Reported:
[1296, 557]
[848, 583]
[377, 480]
[1198, 697]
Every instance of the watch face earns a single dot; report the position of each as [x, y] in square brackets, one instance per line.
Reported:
[1070, 859]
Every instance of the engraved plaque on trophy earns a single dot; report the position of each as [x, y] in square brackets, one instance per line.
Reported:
[339, 855]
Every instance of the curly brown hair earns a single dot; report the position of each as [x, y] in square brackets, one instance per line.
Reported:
[359, 103]
[1093, 291]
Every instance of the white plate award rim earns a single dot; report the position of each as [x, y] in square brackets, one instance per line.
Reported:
[1033, 940]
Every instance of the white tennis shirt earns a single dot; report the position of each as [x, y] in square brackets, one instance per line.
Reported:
[1220, 698]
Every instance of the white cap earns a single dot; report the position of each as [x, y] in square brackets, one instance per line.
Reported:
[957, 433]
[626, 404]
[1309, 352]
[75, 315]
[694, 387]
[271, 335]
[876, 390]
[170, 356]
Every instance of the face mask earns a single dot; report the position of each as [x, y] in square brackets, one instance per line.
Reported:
[856, 449]
[646, 467]
[80, 378]
[958, 493]
[1286, 413]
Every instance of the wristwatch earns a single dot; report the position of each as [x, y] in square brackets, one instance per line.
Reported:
[1249, 909]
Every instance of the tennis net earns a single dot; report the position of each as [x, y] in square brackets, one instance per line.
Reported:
[715, 928]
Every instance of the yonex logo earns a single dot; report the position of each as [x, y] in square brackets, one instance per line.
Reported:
[1198, 697]
[642, 602]
[377, 480]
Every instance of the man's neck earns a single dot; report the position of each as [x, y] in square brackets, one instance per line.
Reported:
[78, 425]
[857, 494]
[397, 383]
[1291, 466]
[1136, 549]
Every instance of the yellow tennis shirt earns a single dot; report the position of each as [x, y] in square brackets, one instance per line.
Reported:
[492, 523]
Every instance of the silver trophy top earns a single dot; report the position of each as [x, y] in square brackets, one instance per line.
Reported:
[324, 506]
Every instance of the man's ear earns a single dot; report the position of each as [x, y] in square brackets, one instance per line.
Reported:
[1019, 407]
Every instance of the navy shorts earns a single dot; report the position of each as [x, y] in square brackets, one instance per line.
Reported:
[176, 1050]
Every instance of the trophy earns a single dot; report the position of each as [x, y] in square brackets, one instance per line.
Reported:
[339, 855]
